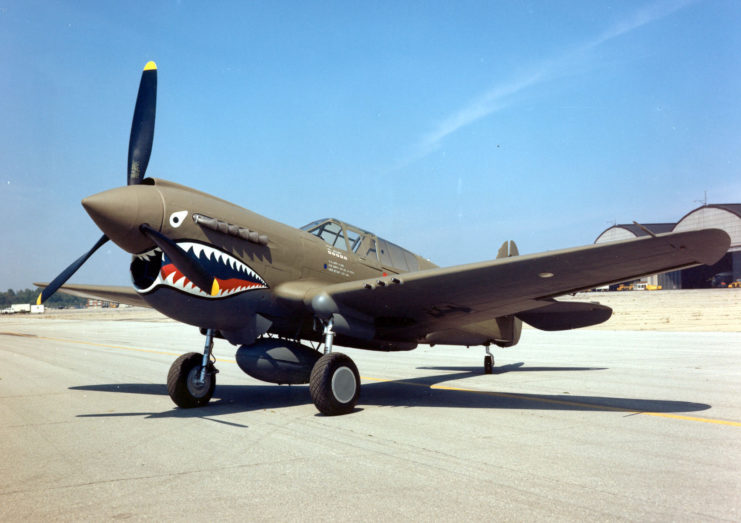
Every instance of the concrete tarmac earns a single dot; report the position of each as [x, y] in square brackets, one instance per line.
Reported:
[590, 424]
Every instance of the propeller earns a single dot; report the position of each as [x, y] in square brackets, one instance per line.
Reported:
[67, 273]
[140, 148]
[142, 125]
[190, 268]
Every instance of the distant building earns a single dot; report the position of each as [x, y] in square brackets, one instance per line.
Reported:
[725, 216]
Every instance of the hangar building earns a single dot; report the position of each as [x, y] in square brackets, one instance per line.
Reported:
[726, 216]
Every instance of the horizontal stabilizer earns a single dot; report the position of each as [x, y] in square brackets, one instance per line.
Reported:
[561, 316]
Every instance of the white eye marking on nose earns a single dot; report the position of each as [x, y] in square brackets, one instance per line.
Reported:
[177, 218]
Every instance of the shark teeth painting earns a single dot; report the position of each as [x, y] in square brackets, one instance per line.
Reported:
[153, 269]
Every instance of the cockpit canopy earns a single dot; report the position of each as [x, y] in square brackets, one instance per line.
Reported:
[364, 244]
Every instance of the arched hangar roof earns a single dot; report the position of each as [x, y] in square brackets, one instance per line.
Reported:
[726, 216]
[628, 231]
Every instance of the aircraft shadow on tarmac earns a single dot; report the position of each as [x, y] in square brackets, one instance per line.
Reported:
[424, 391]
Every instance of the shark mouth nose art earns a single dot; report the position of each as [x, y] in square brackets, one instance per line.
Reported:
[154, 269]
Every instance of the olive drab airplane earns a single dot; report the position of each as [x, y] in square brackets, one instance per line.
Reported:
[286, 296]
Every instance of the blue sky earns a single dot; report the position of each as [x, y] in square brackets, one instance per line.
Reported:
[445, 127]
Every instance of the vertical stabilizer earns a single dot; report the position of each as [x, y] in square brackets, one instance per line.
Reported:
[508, 249]
[510, 327]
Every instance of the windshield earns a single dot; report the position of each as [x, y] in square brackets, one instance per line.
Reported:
[366, 245]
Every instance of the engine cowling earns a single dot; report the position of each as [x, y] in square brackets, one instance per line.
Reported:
[277, 361]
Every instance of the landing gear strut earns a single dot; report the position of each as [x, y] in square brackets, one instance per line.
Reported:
[192, 378]
[488, 361]
[334, 384]
[328, 336]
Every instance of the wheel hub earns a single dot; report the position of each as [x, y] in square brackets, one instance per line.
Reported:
[344, 385]
[196, 387]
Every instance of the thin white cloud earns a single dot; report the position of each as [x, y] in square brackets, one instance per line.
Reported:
[642, 17]
[501, 95]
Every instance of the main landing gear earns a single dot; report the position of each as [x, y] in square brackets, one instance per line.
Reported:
[192, 378]
[334, 384]
[488, 361]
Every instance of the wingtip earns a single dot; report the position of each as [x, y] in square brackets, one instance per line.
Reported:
[716, 245]
[707, 246]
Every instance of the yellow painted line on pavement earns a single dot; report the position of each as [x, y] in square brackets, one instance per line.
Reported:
[523, 397]
[692, 418]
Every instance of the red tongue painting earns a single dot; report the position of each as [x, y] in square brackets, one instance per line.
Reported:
[236, 283]
[169, 269]
[225, 285]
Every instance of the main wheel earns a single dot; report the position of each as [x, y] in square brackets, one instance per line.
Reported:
[488, 364]
[334, 384]
[183, 381]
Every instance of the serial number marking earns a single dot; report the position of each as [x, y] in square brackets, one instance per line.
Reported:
[336, 254]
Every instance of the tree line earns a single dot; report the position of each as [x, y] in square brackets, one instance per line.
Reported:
[58, 300]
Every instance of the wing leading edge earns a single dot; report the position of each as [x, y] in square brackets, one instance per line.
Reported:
[115, 293]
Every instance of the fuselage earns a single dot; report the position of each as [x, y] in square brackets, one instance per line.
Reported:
[251, 257]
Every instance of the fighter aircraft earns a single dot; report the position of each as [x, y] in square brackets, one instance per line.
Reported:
[271, 288]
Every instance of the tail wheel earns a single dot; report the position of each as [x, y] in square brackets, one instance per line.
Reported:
[184, 385]
[334, 384]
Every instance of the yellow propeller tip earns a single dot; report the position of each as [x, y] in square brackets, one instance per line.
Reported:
[150, 66]
[215, 288]
[38, 300]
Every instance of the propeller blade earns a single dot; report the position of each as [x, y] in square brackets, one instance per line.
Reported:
[142, 126]
[68, 272]
[190, 268]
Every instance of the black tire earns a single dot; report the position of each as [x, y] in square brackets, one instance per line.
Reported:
[182, 382]
[488, 364]
[334, 384]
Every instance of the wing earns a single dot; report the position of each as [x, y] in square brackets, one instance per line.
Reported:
[115, 293]
[408, 306]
